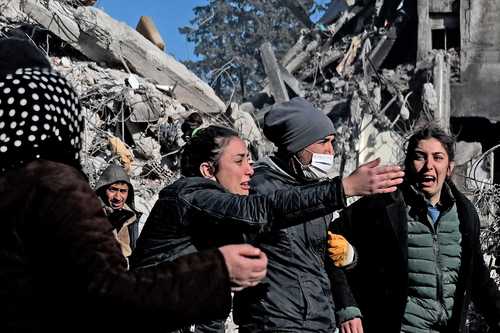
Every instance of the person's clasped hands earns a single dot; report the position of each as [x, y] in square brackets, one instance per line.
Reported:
[246, 264]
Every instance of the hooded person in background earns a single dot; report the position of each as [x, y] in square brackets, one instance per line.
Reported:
[117, 197]
[60, 265]
[297, 294]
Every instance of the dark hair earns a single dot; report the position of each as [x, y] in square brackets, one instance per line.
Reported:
[192, 122]
[429, 131]
[206, 145]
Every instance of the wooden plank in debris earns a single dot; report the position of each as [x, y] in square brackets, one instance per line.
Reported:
[295, 49]
[381, 50]
[302, 57]
[103, 39]
[273, 72]
[442, 86]
[424, 44]
[290, 81]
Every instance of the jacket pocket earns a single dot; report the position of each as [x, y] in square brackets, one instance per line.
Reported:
[317, 305]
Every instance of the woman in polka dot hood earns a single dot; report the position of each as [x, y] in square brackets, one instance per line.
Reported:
[61, 269]
[39, 116]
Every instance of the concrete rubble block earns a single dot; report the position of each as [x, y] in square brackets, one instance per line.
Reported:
[144, 107]
[146, 147]
[374, 143]
[11, 10]
[429, 98]
[244, 123]
[273, 72]
[467, 151]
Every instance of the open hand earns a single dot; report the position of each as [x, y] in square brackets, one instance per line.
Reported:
[370, 178]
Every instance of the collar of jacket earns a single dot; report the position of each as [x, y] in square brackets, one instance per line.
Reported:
[416, 198]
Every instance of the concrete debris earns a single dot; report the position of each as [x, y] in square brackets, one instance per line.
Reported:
[379, 72]
[429, 98]
[372, 66]
[467, 151]
[100, 38]
[135, 97]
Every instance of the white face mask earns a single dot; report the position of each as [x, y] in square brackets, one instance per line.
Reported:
[320, 166]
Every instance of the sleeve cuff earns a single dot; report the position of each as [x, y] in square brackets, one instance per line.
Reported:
[352, 263]
[340, 192]
[348, 313]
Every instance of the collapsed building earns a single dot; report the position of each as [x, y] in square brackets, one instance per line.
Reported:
[376, 68]
[379, 68]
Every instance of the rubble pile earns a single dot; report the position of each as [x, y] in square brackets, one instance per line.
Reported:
[351, 65]
[340, 68]
[377, 89]
[131, 119]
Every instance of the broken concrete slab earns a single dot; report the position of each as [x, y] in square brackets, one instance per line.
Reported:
[103, 39]
[424, 29]
[11, 9]
[441, 77]
[477, 93]
[276, 83]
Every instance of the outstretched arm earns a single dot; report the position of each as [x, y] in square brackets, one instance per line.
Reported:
[370, 178]
[275, 210]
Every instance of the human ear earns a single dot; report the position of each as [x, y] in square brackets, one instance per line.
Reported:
[207, 171]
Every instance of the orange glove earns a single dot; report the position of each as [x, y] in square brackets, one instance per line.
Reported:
[339, 250]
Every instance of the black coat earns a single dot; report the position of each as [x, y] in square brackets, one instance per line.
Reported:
[195, 213]
[296, 294]
[61, 269]
[377, 227]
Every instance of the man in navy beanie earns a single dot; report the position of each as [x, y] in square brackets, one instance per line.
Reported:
[304, 290]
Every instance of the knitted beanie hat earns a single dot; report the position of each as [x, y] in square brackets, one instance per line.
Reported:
[295, 124]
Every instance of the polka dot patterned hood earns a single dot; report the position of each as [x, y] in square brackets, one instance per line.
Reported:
[40, 118]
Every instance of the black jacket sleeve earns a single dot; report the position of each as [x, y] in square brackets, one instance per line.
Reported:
[485, 292]
[265, 212]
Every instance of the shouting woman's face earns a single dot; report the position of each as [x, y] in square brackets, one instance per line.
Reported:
[235, 167]
[431, 166]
